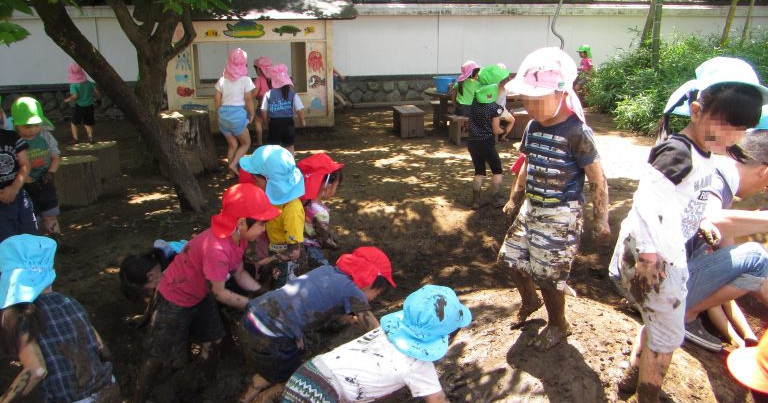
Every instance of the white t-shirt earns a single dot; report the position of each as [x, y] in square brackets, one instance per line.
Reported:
[233, 92]
[370, 367]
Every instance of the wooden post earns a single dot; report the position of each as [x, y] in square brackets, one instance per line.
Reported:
[191, 131]
[108, 157]
[77, 180]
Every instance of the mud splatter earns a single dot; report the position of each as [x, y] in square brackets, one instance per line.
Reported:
[676, 304]
[440, 304]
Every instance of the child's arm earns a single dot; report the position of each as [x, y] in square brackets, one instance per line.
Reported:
[496, 126]
[323, 233]
[244, 280]
[33, 371]
[517, 194]
[438, 397]
[226, 296]
[217, 100]
[96, 93]
[364, 320]
[302, 122]
[599, 185]
[264, 107]
[104, 352]
[249, 106]
[8, 193]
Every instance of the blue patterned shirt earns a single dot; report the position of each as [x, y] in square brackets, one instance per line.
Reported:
[70, 348]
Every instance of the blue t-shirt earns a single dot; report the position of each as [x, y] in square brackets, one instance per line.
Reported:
[305, 303]
[557, 156]
[279, 107]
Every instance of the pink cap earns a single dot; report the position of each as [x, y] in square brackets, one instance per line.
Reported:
[279, 75]
[237, 64]
[75, 74]
[466, 69]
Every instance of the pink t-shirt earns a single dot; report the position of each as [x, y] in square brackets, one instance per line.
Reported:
[586, 64]
[204, 258]
[262, 86]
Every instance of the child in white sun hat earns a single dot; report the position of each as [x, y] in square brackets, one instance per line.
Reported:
[560, 149]
[399, 353]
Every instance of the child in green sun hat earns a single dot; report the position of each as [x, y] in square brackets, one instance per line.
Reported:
[43, 153]
[484, 126]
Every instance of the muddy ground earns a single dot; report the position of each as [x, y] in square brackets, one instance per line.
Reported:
[409, 197]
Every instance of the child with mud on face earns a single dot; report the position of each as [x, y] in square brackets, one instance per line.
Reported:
[399, 353]
[649, 263]
[277, 321]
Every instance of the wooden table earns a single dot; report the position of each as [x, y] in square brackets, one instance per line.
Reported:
[442, 114]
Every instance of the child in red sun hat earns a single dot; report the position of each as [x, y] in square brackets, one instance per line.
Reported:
[186, 297]
[322, 177]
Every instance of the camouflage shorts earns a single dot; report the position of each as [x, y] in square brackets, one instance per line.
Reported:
[543, 242]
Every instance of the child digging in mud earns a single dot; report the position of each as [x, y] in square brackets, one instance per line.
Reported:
[277, 321]
[649, 261]
[399, 353]
[560, 150]
[322, 177]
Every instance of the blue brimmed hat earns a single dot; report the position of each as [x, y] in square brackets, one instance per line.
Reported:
[429, 316]
[284, 180]
[713, 71]
[26, 268]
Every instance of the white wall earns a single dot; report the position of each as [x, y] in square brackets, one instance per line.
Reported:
[398, 39]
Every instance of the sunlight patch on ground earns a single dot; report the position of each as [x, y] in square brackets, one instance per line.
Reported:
[146, 197]
[377, 208]
[110, 270]
[381, 163]
[158, 212]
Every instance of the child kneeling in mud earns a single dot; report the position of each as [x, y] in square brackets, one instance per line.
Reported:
[277, 321]
[322, 177]
[399, 353]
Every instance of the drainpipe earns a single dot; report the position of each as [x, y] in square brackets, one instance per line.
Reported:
[552, 26]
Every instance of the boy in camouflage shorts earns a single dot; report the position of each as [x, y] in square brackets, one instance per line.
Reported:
[544, 238]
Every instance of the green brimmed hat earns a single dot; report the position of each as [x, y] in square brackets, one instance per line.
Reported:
[28, 111]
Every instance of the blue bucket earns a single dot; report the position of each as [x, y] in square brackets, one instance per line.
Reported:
[443, 82]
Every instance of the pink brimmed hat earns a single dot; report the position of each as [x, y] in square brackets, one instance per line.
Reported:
[466, 69]
[75, 74]
[263, 63]
[279, 75]
[237, 64]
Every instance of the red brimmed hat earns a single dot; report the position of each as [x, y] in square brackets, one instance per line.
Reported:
[365, 264]
[244, 200]
[750, 366]
[314, 168]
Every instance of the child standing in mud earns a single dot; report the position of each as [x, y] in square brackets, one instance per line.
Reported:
[399, 353]
[560, 151]
[277, 321]
[649, 260]
[190, 287]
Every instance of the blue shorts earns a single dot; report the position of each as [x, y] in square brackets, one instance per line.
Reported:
[742, 266]
[232, 120]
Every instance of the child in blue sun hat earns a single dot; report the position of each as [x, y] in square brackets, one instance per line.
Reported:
[401, 352]
[274, 169]
[58, 340]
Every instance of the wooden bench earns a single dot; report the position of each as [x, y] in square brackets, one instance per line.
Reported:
[458, 128]
[408, 120]
[78, 181]
[108, 158]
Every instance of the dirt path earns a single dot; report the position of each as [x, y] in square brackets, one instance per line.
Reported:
[409, 197]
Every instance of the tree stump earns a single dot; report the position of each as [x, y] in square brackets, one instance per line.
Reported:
[77, 180]
[107, 154]
[191, 131]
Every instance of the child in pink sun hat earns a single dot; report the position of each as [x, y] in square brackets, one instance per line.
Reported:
[234, 103]
[279, 106]
[82, 92]
[262, 83]
[463, 90]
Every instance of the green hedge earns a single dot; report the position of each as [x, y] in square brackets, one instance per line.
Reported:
[627, 87]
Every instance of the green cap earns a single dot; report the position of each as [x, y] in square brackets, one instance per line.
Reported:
[487, 93]
[28, 111]
[492, 74]
[586, 48]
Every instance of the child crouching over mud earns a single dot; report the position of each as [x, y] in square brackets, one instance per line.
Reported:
[277, 321]
[322, 177]
[185, 306]
[399, 353]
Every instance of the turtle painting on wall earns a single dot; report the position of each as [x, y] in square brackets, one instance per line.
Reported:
[287, 29]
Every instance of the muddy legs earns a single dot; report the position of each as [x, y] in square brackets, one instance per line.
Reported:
[253, 391]
[147, 374]
[530, 300]
[557, 327]
[648, 374]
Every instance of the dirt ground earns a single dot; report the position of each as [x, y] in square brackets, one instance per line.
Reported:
[409, 197]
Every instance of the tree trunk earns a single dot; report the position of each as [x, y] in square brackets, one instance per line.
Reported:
[655, 41]
[648, 27]
[747, 23]
[728, 22]
[60, 28]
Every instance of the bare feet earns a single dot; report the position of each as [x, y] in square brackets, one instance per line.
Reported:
[525, 311]
[628, 382]
[232, 172]
[550, 337]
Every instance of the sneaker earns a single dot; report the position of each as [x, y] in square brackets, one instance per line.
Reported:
[91, 141]
[696, 334]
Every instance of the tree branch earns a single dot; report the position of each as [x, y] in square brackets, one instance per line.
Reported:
[127, 23]
[189, 35]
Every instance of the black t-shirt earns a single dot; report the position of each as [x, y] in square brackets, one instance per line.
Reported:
[480, 116]
[10, 145]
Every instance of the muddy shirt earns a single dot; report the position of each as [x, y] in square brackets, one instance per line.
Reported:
[557, 156]
[691, 170]
[41, 148]
[370, 367]
[204, 258]
[70, 348]
[305, 303]
[480, 116]
[10, 145]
